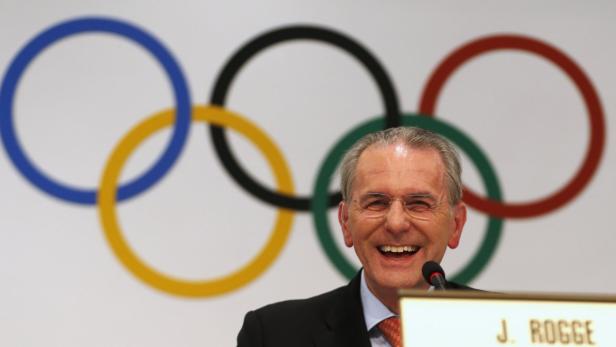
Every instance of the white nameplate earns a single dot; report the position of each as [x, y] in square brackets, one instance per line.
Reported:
[450, 319]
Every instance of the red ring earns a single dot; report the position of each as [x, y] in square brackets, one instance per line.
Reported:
[584, 86]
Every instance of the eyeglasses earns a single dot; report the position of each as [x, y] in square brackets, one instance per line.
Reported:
[417, 206]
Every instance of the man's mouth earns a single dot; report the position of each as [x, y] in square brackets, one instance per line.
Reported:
[398, 251]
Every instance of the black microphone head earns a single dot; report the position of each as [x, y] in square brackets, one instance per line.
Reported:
[429, 269]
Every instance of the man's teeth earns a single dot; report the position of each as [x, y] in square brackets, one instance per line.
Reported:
[398, 249]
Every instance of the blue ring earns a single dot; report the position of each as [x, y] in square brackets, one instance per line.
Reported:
[82, 25]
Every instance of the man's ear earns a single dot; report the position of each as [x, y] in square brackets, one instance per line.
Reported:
[459, 219]
[343, 219]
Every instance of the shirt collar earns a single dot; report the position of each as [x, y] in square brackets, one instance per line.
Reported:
[374, 310]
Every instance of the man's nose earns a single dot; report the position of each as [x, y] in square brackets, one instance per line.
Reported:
[397, 218]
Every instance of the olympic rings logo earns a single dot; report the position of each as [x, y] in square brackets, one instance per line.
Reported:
[110, 192]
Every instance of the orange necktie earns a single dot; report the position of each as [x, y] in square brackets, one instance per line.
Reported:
[390, 328]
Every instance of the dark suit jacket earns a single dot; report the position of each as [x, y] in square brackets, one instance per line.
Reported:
[333, 319]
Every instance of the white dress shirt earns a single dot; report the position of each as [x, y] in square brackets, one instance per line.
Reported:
[374, 313]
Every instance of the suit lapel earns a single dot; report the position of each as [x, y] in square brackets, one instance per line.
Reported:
[345, 325]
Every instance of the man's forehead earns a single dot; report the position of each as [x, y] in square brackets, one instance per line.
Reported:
[400, 150]
[421, 165]
[401, 153]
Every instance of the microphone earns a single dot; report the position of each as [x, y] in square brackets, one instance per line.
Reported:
[433, 273]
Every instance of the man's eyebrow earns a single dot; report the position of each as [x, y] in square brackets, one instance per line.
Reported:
[375, 194]
[418, 195]
[421, 196]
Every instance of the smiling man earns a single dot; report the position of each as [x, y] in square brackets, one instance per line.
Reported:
[401, 207]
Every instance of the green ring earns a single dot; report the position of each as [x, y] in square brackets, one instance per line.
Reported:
[319, 202]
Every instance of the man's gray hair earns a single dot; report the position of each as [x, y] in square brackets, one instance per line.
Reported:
[414, 138]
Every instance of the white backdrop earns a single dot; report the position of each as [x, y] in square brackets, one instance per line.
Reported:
[63, 286]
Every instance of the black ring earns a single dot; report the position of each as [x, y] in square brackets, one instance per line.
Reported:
[233, 66]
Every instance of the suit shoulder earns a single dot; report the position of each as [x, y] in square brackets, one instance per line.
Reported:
[315, 305]
[281, 323]
[457, 286]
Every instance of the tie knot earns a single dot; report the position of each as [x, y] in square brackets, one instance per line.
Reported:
[390, 328]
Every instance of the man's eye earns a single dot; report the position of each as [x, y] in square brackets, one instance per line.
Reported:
[377, 204]
[418, 205]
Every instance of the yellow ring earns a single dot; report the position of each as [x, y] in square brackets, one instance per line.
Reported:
[113, 233]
